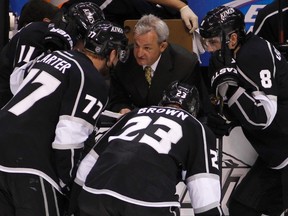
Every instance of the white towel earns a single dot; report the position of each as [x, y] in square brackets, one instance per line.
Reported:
[197, 45]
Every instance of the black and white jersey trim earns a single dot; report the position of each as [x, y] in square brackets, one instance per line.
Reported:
[130, 200]
[31, 171]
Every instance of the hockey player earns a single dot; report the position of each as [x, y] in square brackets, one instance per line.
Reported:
[38, 37]
[36, 11]
[43, 127]
[271, 24]
[135, 167]
[250, 75]
[120, 10]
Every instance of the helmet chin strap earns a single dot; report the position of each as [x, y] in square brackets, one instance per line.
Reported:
[225, 46]
[107, 67]
[224, 43]
[105, 70]
[111, 67]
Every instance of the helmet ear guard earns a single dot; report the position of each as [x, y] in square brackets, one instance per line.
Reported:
[103, 37]
[123, 53]
[183, 95]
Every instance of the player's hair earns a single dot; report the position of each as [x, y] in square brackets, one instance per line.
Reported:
[149, 23]
[105, 36]
[182, 94]
[223, 18]
[36, 11]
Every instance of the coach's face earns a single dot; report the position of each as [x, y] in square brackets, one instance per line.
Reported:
[147, 48]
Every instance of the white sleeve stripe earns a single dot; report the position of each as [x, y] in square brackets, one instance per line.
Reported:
[77, 120]
[68, 146]
[273, 59]
[31, 171]
[45, 202]
[247, 117]
[282, 165]
[270, 107]
[202, 175]
[247, 79]
[72, 161]
[205, 149]
[129, 199]
[264, 20]
[207, 208]
[204, 191]
[105, 4]
[85, 166]
[71, 132]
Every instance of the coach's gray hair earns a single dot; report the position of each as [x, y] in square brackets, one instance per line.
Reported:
[149, 23]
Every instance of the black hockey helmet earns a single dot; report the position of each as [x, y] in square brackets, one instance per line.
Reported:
[222, 18]
[84, 14]
[71, 24]
[182, 94]
[105, 36]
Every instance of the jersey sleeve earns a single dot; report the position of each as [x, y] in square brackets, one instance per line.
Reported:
[91, 158]
[264, 25]
[254, 103]
[83, 100]
[202, 177]
[21, 49]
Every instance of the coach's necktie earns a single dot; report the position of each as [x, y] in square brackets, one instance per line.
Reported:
[148, 74]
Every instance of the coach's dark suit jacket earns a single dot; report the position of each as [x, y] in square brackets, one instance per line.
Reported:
[129, 88]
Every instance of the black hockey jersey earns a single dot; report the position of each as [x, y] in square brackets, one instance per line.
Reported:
[44, 126]
[24, 46]
[261, 103]
[143, 156]
[267, 22]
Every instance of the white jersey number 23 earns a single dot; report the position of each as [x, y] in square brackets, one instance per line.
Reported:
[162, 146]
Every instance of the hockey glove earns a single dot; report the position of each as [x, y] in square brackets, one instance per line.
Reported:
[57, 39]
[220, 59]
[225, 82]
[219, 125]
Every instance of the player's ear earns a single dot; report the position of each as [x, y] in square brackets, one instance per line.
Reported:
[46, 20]
[113, 58]
[233, 40]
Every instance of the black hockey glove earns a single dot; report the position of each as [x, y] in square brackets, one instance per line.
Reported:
[224, 82]
[220, 59]
[219, 125]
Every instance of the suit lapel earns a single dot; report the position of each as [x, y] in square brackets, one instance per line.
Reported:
[163, 72]
[139, 81]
